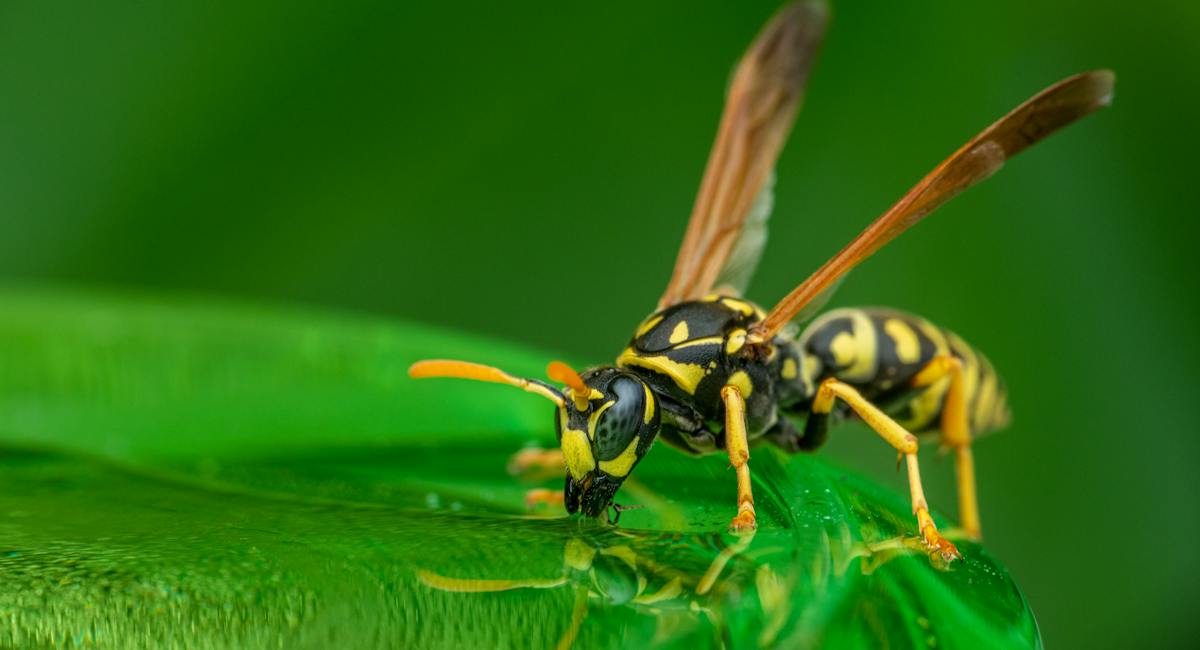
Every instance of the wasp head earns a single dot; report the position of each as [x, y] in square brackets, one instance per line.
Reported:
[605, 426]
[607, 420]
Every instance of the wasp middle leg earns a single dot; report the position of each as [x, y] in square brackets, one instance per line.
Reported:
[535, 463]
[899, 438]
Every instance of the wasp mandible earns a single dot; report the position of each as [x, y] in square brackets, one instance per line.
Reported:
[711, 371]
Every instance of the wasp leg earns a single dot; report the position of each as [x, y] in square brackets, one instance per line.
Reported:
[578, 613]
[903, 441]
[543, 496]
[718, 564]
[956, 435]
[783, 434]
[739, 455]
[816, 431]
[541, 462]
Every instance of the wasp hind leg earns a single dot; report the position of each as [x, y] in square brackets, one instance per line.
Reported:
[904, 442]
[738, 447]
[956, 435]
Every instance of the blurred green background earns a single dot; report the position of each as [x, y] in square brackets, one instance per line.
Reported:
[453, 164]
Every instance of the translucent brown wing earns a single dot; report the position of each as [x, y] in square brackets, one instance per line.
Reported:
[1043, 114]
[761, 105]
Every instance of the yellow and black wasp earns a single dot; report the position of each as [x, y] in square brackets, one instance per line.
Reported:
[711, 371]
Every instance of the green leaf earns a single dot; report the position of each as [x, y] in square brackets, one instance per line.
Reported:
[177, 473]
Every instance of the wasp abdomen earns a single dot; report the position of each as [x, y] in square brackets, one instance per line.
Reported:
[879, 351]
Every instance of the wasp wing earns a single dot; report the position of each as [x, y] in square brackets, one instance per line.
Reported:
[1041, 115]
[726, 231]
[743, 258]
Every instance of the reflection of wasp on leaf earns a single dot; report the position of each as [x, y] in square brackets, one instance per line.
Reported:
[623, 568]
[804, 584]
[680, 579]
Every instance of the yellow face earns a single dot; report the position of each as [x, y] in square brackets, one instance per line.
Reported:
[576, 448]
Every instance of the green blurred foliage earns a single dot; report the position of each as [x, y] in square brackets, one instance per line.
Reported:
[457, 164]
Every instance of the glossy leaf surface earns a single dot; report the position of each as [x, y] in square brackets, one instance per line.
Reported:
[183, 474]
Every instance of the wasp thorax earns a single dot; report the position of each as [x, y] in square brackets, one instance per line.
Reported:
[602, 442]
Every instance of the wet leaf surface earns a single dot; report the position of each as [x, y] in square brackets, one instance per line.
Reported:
[182, 474]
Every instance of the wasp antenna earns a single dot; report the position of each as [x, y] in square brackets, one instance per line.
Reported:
[444, 583]
[561, 372]
[479, 372]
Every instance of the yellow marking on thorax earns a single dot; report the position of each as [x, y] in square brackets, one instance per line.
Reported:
[679, 334]
[577, 453]
[745, 307]
[708, 340]
[908, 347]
[621, 465]
[648, 325]
[742, 381]
[649, 414]
[685, 375]
[788, 371]
[736, 340]
[738, 305]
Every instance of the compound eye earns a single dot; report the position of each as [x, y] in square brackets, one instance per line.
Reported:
[619, 424]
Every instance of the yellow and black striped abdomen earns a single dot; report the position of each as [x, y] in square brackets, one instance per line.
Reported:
[879, 351]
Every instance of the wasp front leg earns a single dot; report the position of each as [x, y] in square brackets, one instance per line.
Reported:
[536, 464]
[904, 442]
[545, 463]
[738, 447]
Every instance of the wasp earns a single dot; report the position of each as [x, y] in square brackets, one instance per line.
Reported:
[710, 371]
